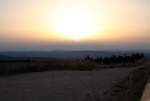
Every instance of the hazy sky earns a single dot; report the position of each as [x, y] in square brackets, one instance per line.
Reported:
[74, 24]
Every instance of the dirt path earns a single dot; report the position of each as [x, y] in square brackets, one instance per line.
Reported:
[59, 85]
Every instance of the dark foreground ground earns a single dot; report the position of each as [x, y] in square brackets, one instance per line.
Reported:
[66, 85]
[59, 85]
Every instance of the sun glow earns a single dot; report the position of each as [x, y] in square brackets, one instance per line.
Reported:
[77, 24]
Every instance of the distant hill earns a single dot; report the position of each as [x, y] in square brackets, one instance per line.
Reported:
[3, 57]
[6, 58]
[63, 54]
[147, 55]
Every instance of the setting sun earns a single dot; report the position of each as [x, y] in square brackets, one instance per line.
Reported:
[77, 24]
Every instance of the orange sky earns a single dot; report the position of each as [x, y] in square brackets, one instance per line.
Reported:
[56, 22]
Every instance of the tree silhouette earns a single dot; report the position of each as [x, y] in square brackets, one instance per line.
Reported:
[117, 59]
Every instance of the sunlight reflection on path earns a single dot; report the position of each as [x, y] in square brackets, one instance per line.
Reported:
[146, 95]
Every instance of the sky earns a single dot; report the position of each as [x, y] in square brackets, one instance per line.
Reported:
[74, 25]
